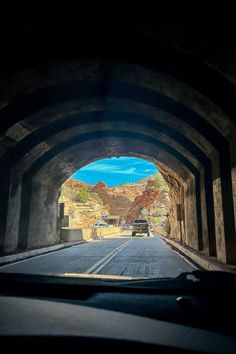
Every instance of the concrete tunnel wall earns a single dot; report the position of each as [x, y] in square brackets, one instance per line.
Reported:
[61, 114]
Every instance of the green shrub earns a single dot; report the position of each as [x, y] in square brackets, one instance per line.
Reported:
[83, 195]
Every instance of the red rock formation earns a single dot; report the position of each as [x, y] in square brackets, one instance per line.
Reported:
[73, 184]
[100, 186]
[127, 200]
[145, 200]
[119, 204]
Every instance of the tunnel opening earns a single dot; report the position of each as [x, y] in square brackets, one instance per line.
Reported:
[118, 191]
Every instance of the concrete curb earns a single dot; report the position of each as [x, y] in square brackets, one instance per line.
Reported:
[28, 254]
[201, 260]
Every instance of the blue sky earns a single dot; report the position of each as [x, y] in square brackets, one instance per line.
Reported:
[115, 171]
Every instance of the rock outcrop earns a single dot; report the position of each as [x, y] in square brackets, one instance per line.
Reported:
[118, 199]
[81, 214]
[130, 201]
[175, 185]
[143, 203]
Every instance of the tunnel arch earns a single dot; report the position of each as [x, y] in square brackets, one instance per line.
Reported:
[53, 113]
[39, 172]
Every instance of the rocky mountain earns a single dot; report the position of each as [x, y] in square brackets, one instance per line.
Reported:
[83, 207]
[145, 204]
[119, 199]
[85, 203]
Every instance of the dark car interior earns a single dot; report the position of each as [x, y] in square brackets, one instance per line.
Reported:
[190, 314]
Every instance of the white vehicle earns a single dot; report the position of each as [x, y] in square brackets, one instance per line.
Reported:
[127, 227]
[101, 224]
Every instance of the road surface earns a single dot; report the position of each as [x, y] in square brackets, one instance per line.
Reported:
[121, 255]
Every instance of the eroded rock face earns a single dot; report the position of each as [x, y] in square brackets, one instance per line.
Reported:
[175, 185]
[101, 200]
[100, 186]
[144, 201]
[118, 198]
[129, 201]
[81, 214]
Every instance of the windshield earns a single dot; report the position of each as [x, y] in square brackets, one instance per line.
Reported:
[118, 177]
[89, 146]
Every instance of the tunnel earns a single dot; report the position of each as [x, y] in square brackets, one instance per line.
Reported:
[67, 100]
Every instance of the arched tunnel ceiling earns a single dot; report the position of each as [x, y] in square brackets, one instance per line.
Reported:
[200, 121]
[60, 167]
[62, 82]
[79, 86]
[57, 167]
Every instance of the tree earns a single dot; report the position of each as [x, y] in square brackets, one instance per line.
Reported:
[83, 194]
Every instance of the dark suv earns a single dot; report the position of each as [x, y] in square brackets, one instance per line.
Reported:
[140, 226]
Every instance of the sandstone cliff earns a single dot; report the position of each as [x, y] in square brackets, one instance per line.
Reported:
[119, 199]
[144, 204]
[85, 204]
[83, 207]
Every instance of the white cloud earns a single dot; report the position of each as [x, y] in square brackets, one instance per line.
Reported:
[112, 169]
[131, 167]
[149, 170]
[97, 167]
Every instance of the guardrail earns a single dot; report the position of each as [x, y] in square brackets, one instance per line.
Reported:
[70, 234]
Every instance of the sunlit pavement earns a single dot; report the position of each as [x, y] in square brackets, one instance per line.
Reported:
[122, 254]
[126, 233]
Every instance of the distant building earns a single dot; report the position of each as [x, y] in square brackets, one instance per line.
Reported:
[113, 220]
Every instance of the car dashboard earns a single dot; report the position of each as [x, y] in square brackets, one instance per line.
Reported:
[64, 314]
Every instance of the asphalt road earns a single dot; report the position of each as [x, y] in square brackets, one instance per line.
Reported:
[118, 255]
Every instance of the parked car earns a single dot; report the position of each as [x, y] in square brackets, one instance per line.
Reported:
[127, 227]
[160, 224]
[101, 224]
[140, 226]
